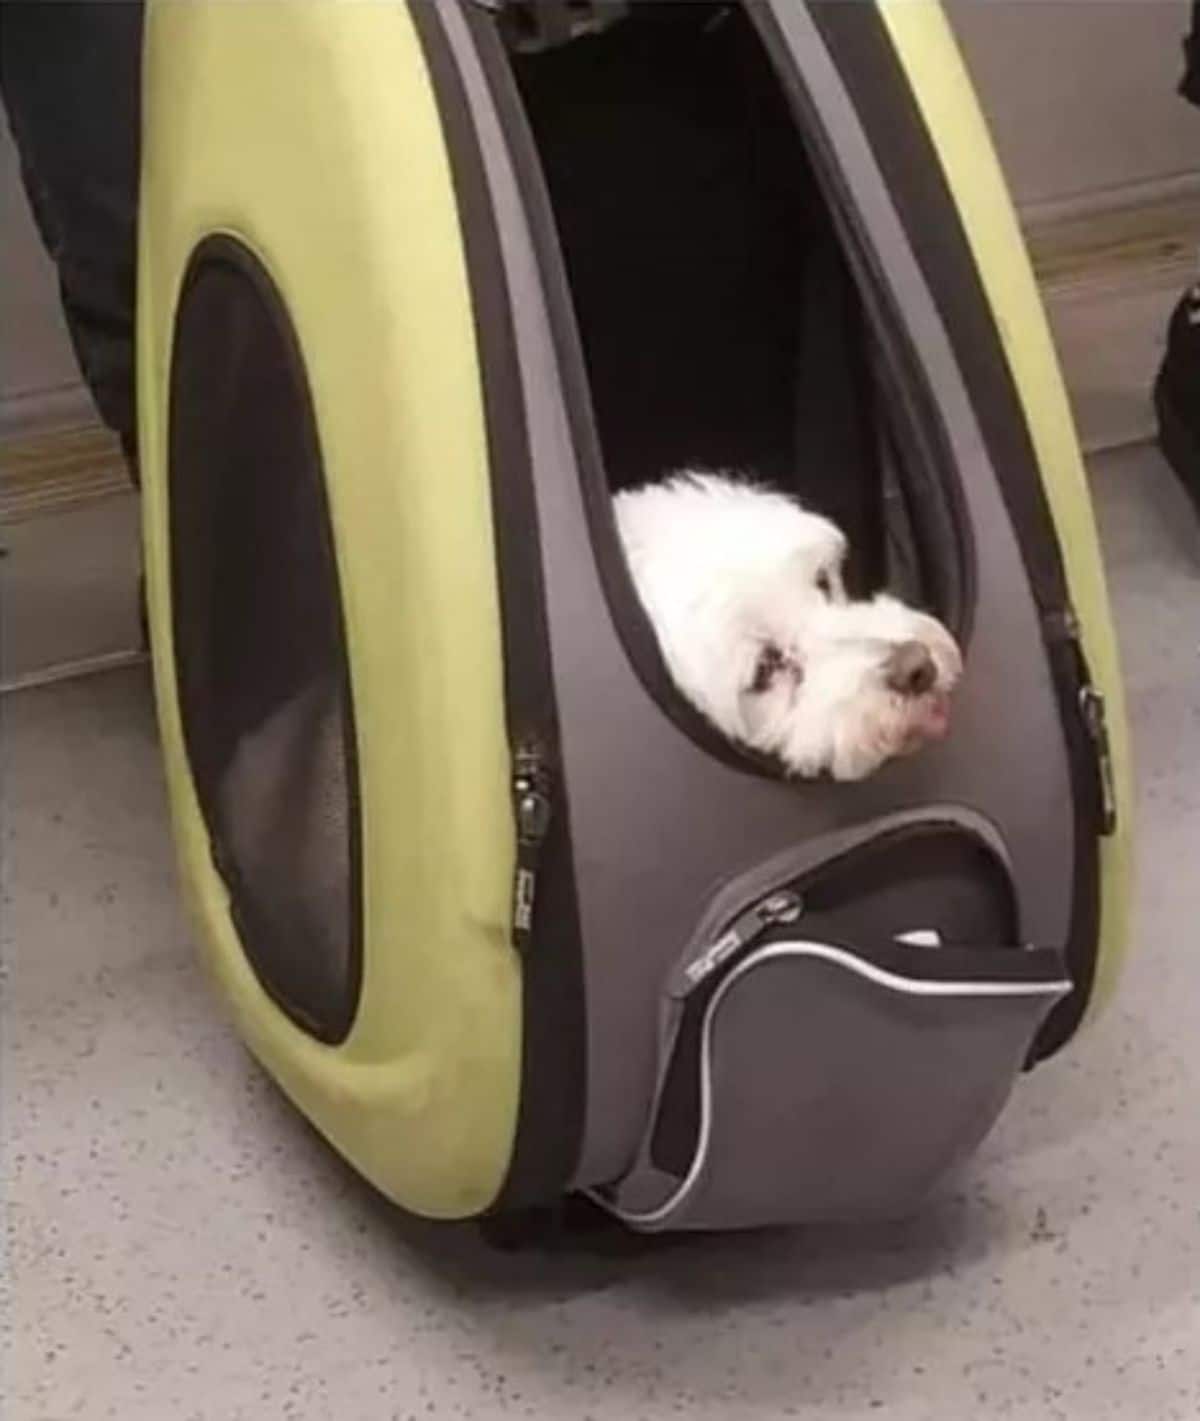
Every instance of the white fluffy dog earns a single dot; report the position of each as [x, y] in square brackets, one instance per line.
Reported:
[744, 589]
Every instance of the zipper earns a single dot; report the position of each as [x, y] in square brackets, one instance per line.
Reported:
[532, 26]
[1094, 711]
[533, 804]
[1065, 627]
[784, 906]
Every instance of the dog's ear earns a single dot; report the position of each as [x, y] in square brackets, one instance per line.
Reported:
[771, 663]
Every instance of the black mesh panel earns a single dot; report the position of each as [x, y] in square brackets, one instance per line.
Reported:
[259, 642]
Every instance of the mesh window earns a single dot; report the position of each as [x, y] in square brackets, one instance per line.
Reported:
[259, 639]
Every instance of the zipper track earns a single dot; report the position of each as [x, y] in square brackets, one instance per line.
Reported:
[781, 907]
[1064, 628]
[549, 1127]
[785, 902]
[856, 38]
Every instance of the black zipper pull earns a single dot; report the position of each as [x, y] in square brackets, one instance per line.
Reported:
[782, 907]
[533, 806]
[1093, 712]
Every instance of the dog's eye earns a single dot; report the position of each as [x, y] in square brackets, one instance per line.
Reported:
[770, 663]
[825, 585]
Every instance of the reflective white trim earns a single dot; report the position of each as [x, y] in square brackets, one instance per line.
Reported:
[839, 957]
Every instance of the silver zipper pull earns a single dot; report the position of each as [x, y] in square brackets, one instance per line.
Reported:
[533, 810]
[531, 787]
[782, 907]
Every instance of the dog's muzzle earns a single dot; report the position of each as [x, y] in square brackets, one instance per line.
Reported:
[910, 670]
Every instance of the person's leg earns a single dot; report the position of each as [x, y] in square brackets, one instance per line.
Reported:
[1177, 393]
[70, 74]
[1177, 388]
[1189, 85]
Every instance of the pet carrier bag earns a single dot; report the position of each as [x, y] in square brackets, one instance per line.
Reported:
[420, 286]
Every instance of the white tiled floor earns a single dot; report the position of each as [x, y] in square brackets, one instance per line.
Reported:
[183, 1249]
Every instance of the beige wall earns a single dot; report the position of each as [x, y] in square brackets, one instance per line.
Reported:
[1080, 94]
[1081, 97]
[35, 354]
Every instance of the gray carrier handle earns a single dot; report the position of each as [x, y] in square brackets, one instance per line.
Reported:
[821, 1080]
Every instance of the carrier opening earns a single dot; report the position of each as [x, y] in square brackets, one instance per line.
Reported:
[721, 318]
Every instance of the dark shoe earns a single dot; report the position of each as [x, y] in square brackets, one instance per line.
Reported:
[1177, 394]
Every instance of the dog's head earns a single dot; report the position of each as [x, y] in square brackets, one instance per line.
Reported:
[829, 684]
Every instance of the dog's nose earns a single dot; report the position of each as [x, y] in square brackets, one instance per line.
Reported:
[910, 669]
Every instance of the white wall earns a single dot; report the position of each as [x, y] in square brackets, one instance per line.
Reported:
[1081, 98]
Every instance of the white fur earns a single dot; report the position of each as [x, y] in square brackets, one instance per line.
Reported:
[725, 569]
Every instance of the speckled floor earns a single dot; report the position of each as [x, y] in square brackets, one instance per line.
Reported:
[182, 1248]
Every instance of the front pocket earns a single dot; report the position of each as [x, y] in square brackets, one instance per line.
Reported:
[843, 1042]
[819, 1080]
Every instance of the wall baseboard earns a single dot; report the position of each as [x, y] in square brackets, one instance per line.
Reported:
[58, 469]
[69, 530]
[1136, 205]
[48, 675]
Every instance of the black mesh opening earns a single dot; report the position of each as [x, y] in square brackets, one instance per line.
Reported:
[260, 649]
[720, 320]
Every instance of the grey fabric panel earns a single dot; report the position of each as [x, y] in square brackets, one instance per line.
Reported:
[800, 859]
[832, 1095]
[659, 827]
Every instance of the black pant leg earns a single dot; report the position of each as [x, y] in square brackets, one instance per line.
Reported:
[1189, 85]
[70, 74]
